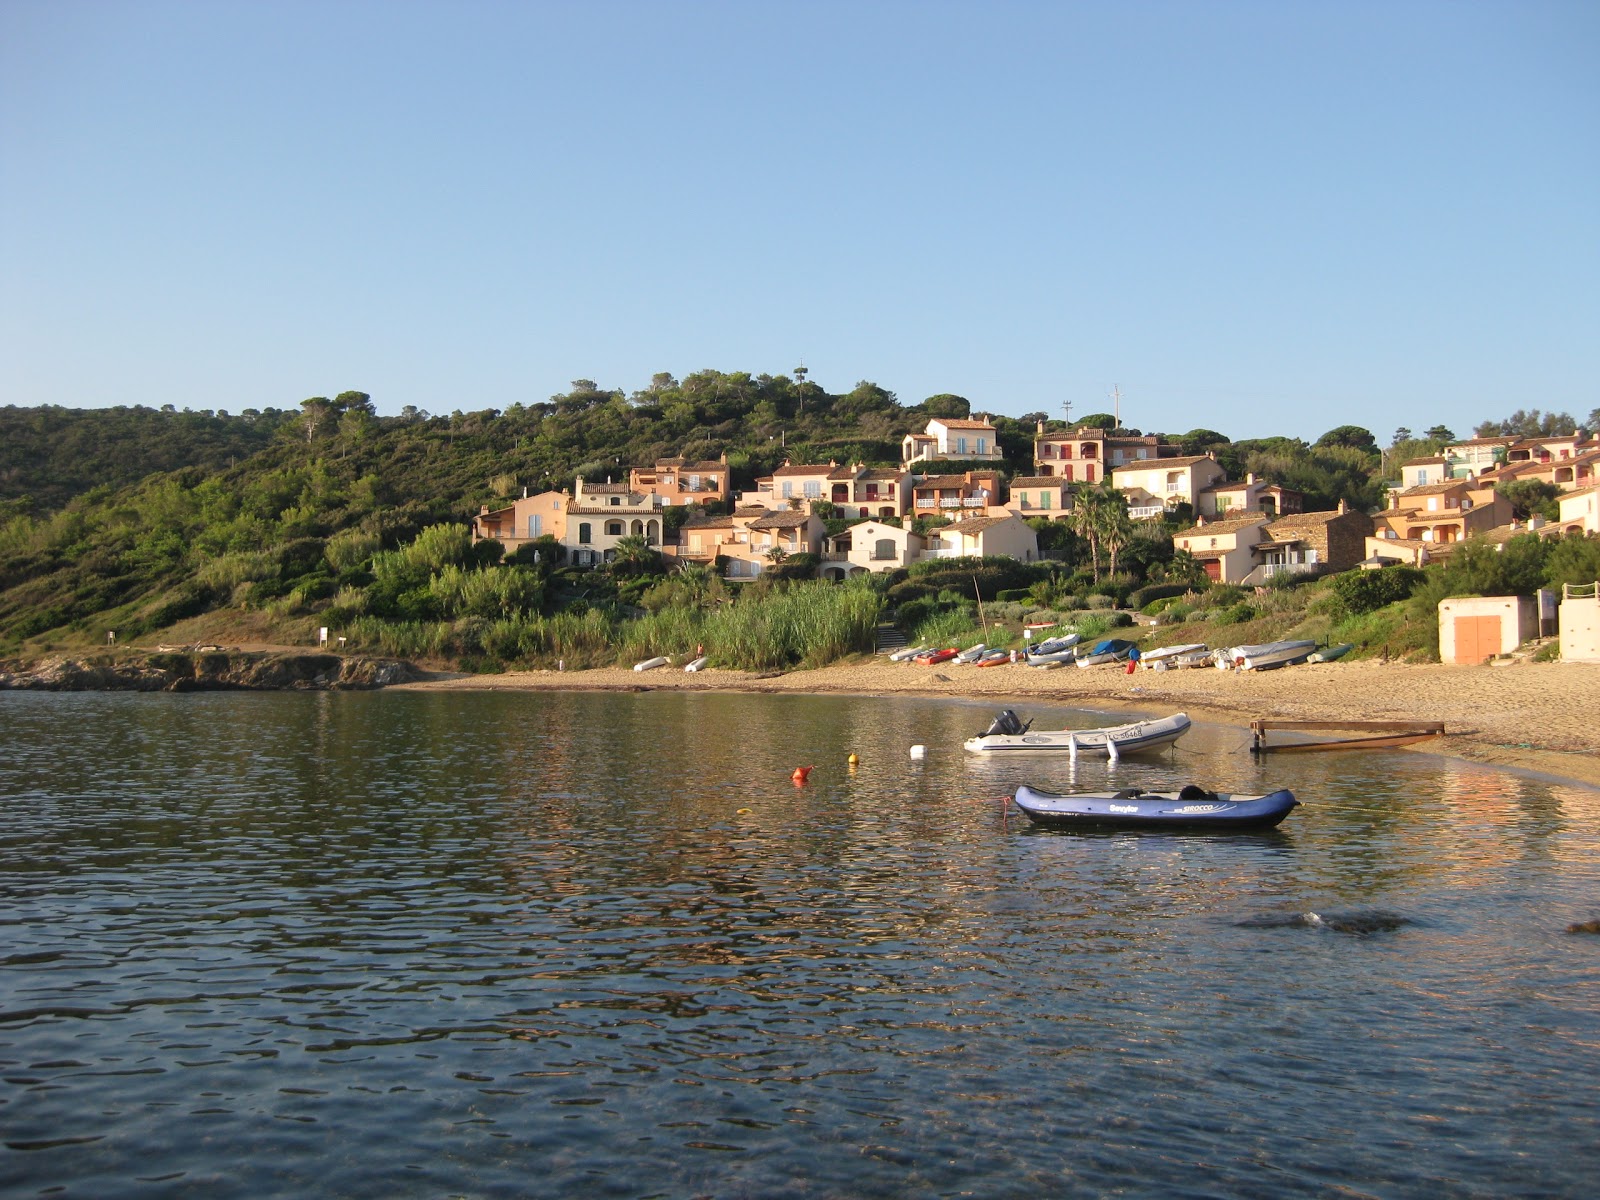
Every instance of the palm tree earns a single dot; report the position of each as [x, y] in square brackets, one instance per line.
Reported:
[632, 555]
[1087, 505]
[1116, 528]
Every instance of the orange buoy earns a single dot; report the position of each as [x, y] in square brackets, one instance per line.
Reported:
[800, 774]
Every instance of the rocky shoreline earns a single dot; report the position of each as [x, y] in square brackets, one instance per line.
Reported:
[207, 669]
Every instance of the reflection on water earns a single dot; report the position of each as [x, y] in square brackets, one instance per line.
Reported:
[415, 944]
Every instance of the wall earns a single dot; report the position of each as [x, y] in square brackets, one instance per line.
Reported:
[1580, 626]
[1475, 628]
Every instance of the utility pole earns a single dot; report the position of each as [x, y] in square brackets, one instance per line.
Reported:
[1116, 404]
[1066, 412]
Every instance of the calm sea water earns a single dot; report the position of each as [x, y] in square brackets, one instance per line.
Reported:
[421, 944]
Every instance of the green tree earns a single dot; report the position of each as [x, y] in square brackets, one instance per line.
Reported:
[1531, 498]
[1353, 436]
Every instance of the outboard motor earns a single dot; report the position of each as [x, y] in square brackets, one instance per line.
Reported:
[1007, 724]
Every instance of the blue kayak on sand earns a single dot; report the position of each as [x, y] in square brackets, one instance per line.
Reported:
[1192, 808]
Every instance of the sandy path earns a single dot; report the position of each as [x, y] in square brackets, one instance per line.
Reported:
[1542, 717]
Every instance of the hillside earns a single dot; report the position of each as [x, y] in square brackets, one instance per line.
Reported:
[133, 520]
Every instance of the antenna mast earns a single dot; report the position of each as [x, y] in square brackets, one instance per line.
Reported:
[1116, 404]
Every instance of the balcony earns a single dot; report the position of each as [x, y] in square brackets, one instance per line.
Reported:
[1146, 512]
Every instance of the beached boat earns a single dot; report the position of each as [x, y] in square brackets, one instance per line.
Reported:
[971, 654]
[907, 653]
[695, 664]
[1191, 808]
[1056, 649]
[650, 664]
[1009, 737]
[995, 658]
[929, 658]
[1262, 657]
[1331, 653]
[1112, 650]
[1168, 657]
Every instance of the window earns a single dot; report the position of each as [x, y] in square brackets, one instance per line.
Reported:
[585, 535]
[615, 500]
[883, 549]
[535, 525]
[1066, 472]
[613, 528]
[788, 489]
[813, 489]
[1088, 472]
[983, 445]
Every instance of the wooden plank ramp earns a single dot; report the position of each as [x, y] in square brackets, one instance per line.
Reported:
[1368, 735]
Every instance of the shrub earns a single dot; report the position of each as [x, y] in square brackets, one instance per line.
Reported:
[1359, 591]
[1234, 614]
[1145, 598]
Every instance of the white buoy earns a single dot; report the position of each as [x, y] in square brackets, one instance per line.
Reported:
[918, 751]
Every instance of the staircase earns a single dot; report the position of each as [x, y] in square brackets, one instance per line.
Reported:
[888, 639]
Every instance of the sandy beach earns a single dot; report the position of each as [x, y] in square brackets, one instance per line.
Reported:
[1539, 717]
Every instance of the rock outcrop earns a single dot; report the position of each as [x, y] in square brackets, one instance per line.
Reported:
[207, 670]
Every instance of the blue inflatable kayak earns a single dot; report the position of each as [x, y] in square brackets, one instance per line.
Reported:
[1131, 808]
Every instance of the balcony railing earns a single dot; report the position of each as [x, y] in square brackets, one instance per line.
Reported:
[1145, 512]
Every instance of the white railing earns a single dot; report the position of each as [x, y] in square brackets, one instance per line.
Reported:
[1268, 570]
[1146, 511]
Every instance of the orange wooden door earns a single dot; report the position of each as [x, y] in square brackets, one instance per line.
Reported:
[1477, 638]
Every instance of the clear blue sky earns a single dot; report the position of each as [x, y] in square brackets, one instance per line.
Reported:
[1260, 218]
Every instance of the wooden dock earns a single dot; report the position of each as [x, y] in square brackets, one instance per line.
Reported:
[1368, 735]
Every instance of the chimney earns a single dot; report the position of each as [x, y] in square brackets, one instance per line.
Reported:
[1250, 478]
[524, 491]
[1039, 428]
[484, 511]
[1343, 507]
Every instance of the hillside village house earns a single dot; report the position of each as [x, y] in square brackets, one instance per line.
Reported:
[948, 438]
[1152, 486]
[682, 481]
[1047, 496]
[1420, 472]
[1224, 547]
[1007, 536]
[1333, 540]
[1580, 511]
[599, 515]
[1085, 455]
[773, 535]
[956, 495]
[747, 538]
[1480, 456]
[588, 523]
[1440, 514]
[1253, 495]
[871, 546]
[857, 490]
[1476, 455]
[1566, 474]
[523, 520]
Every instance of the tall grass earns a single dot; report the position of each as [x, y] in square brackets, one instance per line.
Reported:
[809, 624]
